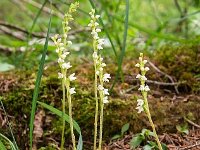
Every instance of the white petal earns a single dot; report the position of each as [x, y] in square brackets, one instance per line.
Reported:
[72, 77]
[100, 88]
[105, 100]
[137, 65]
[72, 91]
[106, 92]
[60, 75]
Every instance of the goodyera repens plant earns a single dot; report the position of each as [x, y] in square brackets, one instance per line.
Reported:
[100, 77]
[142, 104]
[62, 43]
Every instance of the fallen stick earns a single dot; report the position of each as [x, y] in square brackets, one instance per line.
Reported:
[168, 76]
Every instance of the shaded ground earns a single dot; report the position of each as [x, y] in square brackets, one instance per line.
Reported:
[172, 140]
[174, 99]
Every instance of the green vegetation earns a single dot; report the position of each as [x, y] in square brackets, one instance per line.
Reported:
[32, 96]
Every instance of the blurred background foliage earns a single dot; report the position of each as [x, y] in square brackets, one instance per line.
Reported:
[152, 24]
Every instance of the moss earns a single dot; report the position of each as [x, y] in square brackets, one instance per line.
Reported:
[182, 63]
[120, 110]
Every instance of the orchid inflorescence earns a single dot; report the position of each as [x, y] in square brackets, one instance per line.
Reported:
[144, 88]
[142, 104]
[62, 44]
[100, 77]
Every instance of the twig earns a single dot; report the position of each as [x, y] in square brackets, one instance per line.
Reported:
[6, 50]
[6, 28]
[191, 146]
[168, 76]
[154, 82]
[192, 123]
[178, 7]
[11, 26]
[45, 9]
[16, 35]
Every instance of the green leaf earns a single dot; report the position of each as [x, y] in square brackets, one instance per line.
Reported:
[136, 141]
[147, 132]
[80, 142]
[2, 146]
[125, 128]
[66, 117]
[117, 136]
[164, 146]
[6, 67]
[147, 147]
[183, 128]
[37, 84]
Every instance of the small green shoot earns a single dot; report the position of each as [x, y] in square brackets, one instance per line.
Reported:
[183, 128]
[124, 129]
[143, 138]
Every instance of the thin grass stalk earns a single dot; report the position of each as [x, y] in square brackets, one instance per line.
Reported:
[9, 125]
[120, 59]
[37, 84]
[25, 54]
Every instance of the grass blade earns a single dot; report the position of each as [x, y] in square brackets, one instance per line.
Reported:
[35, 20]
[31, 30]
[11, 144]
[37, 84]
[9, 125]
[67, 119]
[105, 29]
[80, 143]
[123, 46]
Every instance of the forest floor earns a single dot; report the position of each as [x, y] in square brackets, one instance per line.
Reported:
[172, 102]
[174, 141]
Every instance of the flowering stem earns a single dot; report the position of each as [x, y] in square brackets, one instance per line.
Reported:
[143, 104]
[70, 115]
[101, 114]
[101, 121]
[152, 124]
[97, 107]
[63, 119]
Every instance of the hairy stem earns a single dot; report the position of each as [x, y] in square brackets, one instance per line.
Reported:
[70, 117]
[101, 113]
[96, 108]
[152, 124]
[63, 119]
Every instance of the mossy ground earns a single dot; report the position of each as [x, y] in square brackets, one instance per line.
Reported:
[168, 109]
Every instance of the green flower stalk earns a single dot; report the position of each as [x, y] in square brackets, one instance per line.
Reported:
[62, 44]
[144, 88]
[99, 78]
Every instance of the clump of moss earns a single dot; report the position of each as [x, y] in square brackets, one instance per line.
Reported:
[182, 63]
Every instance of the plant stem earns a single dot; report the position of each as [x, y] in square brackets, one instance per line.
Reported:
[70, 116]
[101, 123]
[63, 119]
[101, 113]
[152, 124]
[96, 108]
